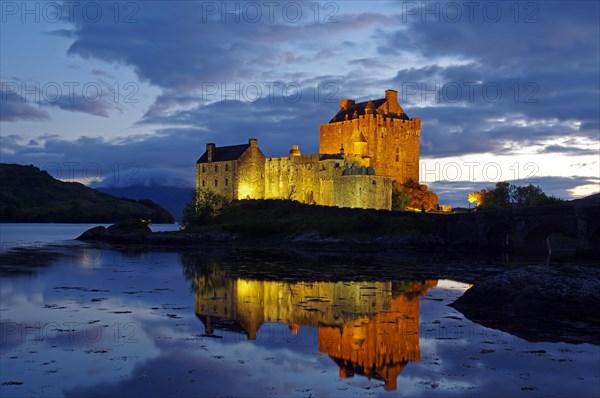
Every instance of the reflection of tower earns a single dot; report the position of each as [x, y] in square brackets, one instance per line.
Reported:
[363, 326]
[377, 347]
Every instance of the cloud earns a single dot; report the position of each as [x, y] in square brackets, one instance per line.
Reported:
[91, 105]
[278, 122]
[478, 83]
[14, 107]
[196, 43]
[93, 98]
[483, 83]
[167, 158]
[569, 150]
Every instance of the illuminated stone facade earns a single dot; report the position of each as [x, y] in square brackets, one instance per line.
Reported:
[363, 149]
[365, 327]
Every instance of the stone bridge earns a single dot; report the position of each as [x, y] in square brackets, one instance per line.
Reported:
[525, 228]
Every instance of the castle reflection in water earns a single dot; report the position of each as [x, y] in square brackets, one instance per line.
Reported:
[367, 328]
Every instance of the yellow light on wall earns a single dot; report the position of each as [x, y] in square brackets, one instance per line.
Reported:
[246, 191]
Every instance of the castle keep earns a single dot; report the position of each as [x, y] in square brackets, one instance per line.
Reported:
[362, 149]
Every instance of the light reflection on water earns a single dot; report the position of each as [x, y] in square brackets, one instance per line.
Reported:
[100, 322]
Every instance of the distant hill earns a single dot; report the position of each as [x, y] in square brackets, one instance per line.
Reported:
[28, 194]
[171, 198]
[593, 199]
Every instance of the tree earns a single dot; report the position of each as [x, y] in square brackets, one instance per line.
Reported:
[500, 196]
[505, 195]
[418, 195]
[204, 204]
[477, 197]
[400, 200]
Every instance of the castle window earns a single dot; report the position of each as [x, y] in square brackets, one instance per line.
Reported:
[397, 154]
[216, 169]
[203, 183]
[203, 169]
[226, 168]
[226, 182]
[216, 182]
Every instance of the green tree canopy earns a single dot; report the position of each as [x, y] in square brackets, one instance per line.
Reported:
[203, 205]
[506, 194]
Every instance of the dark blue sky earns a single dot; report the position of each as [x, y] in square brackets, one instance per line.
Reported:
[130, 92]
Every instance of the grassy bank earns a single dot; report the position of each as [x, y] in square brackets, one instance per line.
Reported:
[288, 218]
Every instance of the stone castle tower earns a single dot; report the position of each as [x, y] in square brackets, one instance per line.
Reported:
[378, 131]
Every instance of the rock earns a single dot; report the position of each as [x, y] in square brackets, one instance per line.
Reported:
[94, 233]
[128, 229]
[538, 303]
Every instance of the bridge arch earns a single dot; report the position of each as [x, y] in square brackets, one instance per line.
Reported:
[594, 239]
[536, 238]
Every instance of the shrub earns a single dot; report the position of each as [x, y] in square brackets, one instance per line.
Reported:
[204, 205]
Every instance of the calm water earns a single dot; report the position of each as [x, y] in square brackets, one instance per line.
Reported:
[38, 234]
[78, 320]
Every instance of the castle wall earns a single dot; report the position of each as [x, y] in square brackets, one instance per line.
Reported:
[363, 191]
[219, 177]
[392, 144]
[293, 177]
[308, 180]
[301, 178]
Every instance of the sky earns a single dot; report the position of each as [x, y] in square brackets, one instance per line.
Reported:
[130, 92]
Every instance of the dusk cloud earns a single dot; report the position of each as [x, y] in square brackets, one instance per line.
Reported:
[14, 107]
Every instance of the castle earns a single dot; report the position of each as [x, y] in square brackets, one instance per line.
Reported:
[362, 149]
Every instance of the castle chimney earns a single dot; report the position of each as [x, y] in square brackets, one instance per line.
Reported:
[345, 104]
[210, 149]
[295, 151]
[391, 96]
[253, 142]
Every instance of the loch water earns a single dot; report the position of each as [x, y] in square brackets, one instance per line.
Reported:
[78, 319]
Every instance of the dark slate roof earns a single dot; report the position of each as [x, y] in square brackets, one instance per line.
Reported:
[224, 153]
[359, 108]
